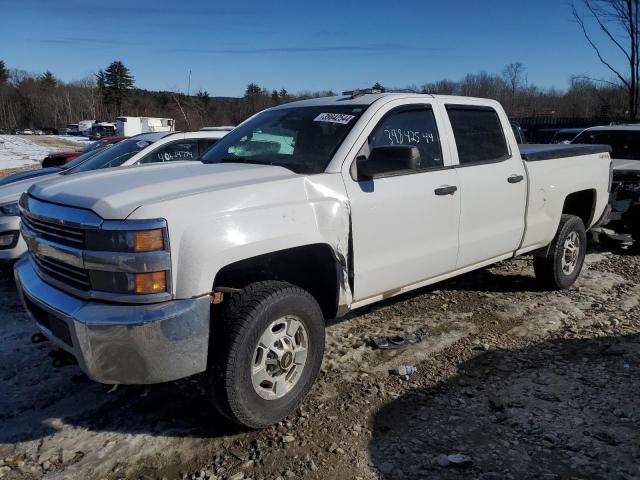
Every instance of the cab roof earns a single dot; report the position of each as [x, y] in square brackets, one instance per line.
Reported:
[369, 98]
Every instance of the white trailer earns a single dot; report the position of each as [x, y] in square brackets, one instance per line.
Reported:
[84, 127]
[130, 126]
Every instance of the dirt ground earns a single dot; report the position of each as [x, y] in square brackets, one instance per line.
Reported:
[511, 383]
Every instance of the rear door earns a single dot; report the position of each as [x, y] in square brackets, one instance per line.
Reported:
[405, 229]
[493, 184]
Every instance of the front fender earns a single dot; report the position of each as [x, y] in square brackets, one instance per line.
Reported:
[208, 234]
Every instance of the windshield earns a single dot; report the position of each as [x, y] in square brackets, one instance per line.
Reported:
[301, 139]
[625, 144]
[113, 156]
[91, 146]
[82, 158]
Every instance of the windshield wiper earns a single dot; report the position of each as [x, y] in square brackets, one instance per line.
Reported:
[234, 160]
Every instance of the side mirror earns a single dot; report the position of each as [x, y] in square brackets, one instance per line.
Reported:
[386, 160]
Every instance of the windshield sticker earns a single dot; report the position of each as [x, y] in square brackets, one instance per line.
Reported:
[334, 118]
[142, 143]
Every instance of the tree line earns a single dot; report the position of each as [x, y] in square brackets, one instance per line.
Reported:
[43, 100]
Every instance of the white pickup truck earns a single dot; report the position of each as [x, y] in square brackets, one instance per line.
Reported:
[302, 213]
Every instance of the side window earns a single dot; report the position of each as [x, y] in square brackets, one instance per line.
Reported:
[205, 144]
[411, 127]
[478, 134]
[172, 152]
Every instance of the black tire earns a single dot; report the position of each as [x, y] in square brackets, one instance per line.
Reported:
[245, 317]
[548, 265]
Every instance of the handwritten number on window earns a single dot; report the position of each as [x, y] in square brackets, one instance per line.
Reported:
[398, 136]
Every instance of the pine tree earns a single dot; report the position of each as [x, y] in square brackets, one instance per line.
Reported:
[203, 97]
[275, 96]
[101, 82]
[118, 81]
[378, 86]
[253, 90]
[4, 73]
[48, 81]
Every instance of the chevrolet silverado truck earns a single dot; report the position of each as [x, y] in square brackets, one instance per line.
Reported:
[231, 266]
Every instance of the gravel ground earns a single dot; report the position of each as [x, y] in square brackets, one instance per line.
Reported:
[511, 383]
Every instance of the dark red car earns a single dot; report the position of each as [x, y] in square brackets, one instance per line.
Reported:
[60, 158]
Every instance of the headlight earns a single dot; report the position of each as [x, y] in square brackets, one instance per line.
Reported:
[135, 241]
[11, 209]
[129, 257]
[129, 283]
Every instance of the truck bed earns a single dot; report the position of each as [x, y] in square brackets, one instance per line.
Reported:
[534, 152]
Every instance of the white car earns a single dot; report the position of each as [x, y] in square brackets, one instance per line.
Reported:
[302, 213]
[142, 149]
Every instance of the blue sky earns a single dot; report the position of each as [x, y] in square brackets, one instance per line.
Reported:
[297, 45]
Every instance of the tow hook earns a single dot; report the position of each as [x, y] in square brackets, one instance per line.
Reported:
[38, 338]
[62, 358]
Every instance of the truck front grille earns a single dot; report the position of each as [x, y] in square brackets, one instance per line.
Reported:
[55, 232]
[77, 278]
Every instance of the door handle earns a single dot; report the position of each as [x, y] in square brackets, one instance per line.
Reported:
[446, 190]
[515, 178]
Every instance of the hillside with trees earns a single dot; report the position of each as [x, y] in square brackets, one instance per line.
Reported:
[43, 100]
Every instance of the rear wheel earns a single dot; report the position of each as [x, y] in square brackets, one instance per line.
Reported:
[559, 267]
[270, 353]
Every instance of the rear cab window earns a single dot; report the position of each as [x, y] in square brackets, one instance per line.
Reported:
[478, 134]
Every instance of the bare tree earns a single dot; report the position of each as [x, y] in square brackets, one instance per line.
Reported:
[515, 76]
[618, 22]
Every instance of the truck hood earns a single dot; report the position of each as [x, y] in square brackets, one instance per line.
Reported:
[12, 192]
[619, 164]
[114, 193]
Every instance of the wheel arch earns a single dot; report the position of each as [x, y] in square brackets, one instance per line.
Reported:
[316, 268]
[581, 204]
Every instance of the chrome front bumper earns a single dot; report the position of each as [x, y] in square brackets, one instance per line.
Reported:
[114, 343]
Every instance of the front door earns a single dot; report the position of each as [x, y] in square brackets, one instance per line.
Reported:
[405, 224]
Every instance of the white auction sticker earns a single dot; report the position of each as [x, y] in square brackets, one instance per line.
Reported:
[334, 118]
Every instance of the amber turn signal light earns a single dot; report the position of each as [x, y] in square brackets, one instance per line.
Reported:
[149, 240]
[154, 282]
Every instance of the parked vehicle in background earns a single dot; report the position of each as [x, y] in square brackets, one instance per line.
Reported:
[217, 129]
[72, 129]
[130, 126]
[624, 141]
[55, 159]
[302, 213]
[26, 131]
[147, 148]
[542, 135]
[84, 127]
[101, 130]
[50, 131]
[565, 135]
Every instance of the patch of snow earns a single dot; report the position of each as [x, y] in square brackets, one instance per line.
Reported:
[18, 151]
[71, 138]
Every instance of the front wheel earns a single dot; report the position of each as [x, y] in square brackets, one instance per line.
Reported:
[270, 353]
[560, 265]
